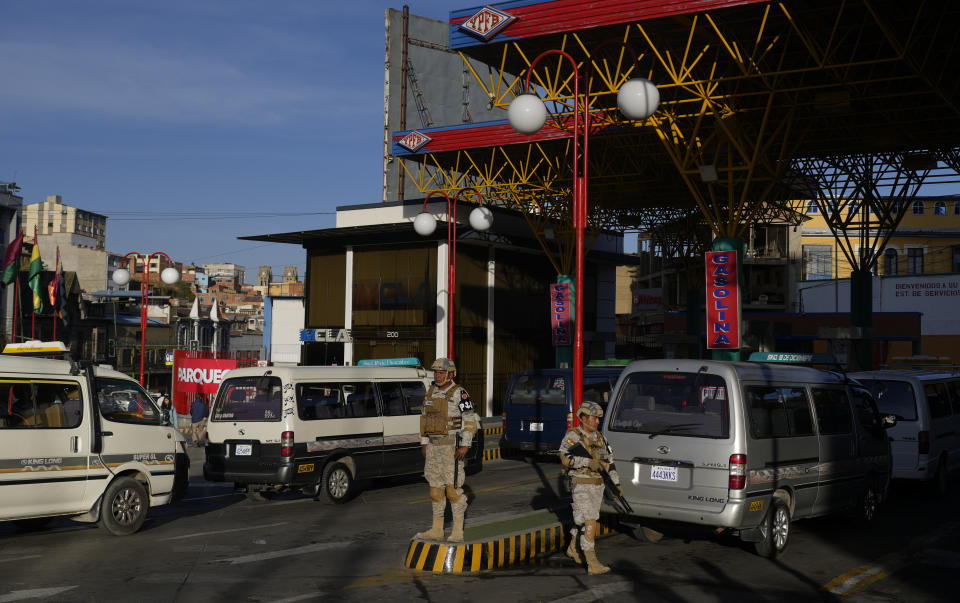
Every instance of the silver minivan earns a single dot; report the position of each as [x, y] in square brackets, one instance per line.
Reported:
[926, 439]
[746, 446]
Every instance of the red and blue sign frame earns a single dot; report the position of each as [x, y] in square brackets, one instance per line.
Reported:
[723, 300]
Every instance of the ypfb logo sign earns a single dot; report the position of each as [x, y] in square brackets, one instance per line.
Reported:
[201, 376]
[723, 301]
[487, 22]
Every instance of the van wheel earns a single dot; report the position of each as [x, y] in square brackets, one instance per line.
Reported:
[336, 485]
[124, 506]
[775, 530]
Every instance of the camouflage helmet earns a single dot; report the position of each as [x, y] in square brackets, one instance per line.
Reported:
[444, 364]
[590, 408]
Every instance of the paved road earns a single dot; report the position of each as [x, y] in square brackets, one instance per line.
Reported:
[218, 546]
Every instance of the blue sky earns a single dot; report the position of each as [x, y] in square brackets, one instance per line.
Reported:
[196, 111]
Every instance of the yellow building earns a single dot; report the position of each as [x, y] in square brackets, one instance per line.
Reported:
[927, 241]
[52, 217]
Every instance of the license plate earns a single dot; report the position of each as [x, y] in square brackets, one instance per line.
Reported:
[663, 474]
[243, 449]
[536, 426]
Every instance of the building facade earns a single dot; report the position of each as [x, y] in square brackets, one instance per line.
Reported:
[53, 216]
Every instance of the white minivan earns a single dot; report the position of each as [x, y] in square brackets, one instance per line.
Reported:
[82, 441]
[926, 438]
[746, 446]
[318, 429]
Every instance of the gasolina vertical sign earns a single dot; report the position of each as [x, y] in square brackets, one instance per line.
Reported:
[723, 301]
[560, 319]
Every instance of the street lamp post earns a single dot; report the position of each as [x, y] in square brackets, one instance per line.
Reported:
[121, 276]
[481, 218]
[637, 99]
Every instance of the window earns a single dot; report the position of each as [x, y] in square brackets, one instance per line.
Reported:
[956, 208]
[889, 261]
[249, 399]
[539, 389]
[337, 400]
[893, 398]
[955, 259]
[817, 262]
[865, 408]
[853, 207]
[833, 411]
[954, 387]
[940, 208]
[915, 260]
[402, 398]
[40, 404]
[812, 207]
[778, 412]
[125, 401]
[937, 399]
[678, 404]
[918, 208]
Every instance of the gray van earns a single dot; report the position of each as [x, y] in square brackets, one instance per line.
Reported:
[745, 446]
[926, 439]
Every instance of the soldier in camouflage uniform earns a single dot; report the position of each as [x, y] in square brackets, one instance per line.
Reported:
[447, 427]
[587, 482]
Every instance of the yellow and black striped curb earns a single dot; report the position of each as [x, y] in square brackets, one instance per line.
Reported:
[490, 431]
[490, 454]
[500, 552]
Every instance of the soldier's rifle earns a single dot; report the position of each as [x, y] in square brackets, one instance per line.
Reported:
[579, 450]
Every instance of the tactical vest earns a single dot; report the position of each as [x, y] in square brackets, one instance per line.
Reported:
[598, 450]
[435, 420]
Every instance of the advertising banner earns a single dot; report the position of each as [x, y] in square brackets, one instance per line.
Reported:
[723, 301]
[200, 375]
[646, 300]
[561, 318]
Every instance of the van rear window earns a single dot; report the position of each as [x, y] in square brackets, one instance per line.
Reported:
[538, 389]
[249, 399]
[893, 398]
[680, 404]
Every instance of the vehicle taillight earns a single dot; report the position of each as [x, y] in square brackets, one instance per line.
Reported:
[923, 442]
[286, 443]
[738, 471]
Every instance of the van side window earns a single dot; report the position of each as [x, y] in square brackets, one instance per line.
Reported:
[778, 412]
[392, 397]
[954, 386]
[894, 398]
[360, 400]
[863, 405]
[320, 401]
[833, 411]
[414, 392]
[39, 405]
[124, 401]
[938, 399]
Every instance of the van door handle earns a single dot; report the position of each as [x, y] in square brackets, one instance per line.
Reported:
[74, 443]
[106, 433]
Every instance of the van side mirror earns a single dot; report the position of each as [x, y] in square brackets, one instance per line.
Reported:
[888, 421]
[165, 416]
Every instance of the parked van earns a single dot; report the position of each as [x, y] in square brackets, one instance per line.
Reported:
[538, 406]
[318, 429]
[926, 439]
[86, 442]
[746, 446]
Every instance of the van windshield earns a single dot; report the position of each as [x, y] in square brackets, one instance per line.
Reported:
[248, 399]
[538, 389]
[677, 404]
[893, 398]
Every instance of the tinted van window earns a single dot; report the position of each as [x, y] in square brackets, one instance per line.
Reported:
[125, 402]
[893, 398]
[249, 399]
[336, 400]
[866, 410]
[40, 404]
[833, 411]
[778, 412]
[938, 399]
[686, 404]
[539, 389]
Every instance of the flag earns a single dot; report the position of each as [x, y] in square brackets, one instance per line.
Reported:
[11, 260]
[33, 279]
[57, 291]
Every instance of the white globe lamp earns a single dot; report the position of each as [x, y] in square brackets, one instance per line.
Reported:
[424, 224]
[170, 275]
[121, 276]
[638, 98]
[481, 218]
[527, 113]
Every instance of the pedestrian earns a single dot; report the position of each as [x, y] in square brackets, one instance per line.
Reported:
[447, 427]
[198, 419]
[169, 410]
[585, 473]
